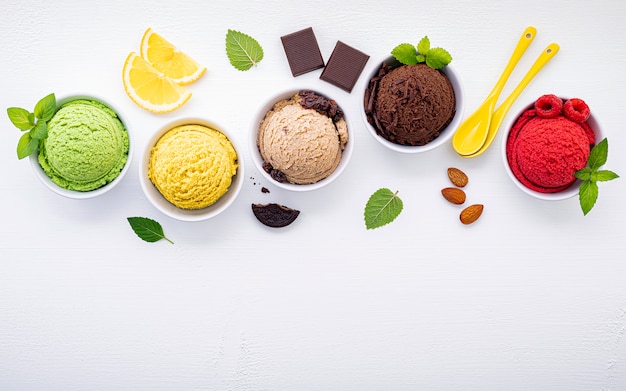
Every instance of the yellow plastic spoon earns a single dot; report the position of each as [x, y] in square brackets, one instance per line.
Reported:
[472, 132]
[500, 113]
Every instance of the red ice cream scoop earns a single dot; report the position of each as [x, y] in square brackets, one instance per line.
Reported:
[549, 143]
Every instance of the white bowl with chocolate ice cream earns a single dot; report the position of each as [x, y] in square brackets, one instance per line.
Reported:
[412, 108]
[301, 140]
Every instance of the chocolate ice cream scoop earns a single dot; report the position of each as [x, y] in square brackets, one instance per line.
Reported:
[410, 104]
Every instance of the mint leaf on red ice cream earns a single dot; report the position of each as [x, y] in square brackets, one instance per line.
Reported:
[591, 175]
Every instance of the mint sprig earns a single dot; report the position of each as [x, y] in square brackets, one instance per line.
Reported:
[147, 229]
[242, 50]
[409, 54]
[35, 124]
[591, 175]
[382, 208]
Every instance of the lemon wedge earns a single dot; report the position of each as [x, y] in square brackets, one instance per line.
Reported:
[165, 58]
[151, 89]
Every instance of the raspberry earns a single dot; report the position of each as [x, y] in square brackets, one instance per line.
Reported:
[548, 106]
[576, 110]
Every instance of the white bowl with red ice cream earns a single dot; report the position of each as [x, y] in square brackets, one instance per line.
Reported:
[546, 142]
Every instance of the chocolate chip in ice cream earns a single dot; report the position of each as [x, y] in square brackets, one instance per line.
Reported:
[321, 104]
[274, 215]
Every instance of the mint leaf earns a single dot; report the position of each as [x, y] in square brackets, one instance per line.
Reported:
[46, 107]
[583, 174]
[26, 145]
[438, 58]
[147, 229]
[40, 131]
[423, 45]
[20, 118]
[598, 155]
[405, 53]
[604, 176]
[591, 175]
[382, 208]
[408, 54]
[35, 122]
[587, 194]
[242, 50]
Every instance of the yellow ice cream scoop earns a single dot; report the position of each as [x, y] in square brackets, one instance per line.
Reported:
[192, 166]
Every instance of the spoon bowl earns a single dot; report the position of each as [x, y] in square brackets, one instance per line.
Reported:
[472, 133]
[500, 113]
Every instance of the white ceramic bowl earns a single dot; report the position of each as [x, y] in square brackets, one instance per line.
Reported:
[562, 195]
[445, 135]
[169, 209]
[258, 160]
[99, 191]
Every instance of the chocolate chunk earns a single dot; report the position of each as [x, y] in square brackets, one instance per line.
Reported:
[303, 53]
[344, 66]
[274, 215]
[276, 175]
[321, 104]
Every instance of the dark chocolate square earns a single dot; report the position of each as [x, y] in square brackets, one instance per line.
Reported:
[344, 66]
[303, 52]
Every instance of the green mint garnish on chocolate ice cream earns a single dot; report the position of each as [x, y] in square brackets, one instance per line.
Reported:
[35, 124]
[408, 54]
[242, 50]
[591, 175]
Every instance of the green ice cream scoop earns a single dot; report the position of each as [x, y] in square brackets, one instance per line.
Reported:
[86, 148]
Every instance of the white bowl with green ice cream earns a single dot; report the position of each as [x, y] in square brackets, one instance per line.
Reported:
[87, 151]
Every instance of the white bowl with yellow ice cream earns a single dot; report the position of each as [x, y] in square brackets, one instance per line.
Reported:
[301, 140]
[191, 170]
[88, 149]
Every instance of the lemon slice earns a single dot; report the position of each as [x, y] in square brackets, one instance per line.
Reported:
[165, 58]
[151, 89]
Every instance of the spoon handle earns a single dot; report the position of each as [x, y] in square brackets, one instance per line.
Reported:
[523, 43]
[499, 114]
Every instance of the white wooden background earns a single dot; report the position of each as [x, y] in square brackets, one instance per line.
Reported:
[531, 297]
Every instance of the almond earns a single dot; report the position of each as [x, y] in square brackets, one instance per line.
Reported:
[471, 213]
[457, 177]
[454, 195]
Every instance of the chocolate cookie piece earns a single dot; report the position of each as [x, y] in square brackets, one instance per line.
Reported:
[274, 215]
